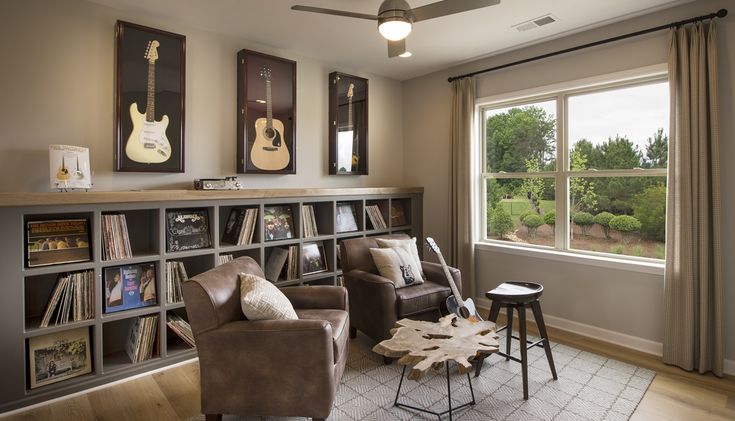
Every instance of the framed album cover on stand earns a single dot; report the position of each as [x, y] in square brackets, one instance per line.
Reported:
[266, 123]
[149, 99]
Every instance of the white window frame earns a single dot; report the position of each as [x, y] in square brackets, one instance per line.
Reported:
[561, 92]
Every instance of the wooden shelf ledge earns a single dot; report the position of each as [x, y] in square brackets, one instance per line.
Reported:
[96, 197]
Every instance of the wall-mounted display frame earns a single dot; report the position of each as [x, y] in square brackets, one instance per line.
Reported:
[266, 108]
[149, 99]
[348, 124]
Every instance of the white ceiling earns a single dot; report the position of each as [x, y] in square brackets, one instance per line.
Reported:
[355, 43]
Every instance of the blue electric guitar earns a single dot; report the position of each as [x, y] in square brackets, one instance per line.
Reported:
[464, 309]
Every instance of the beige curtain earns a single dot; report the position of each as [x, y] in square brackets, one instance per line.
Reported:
[693, 290]
[460, 187]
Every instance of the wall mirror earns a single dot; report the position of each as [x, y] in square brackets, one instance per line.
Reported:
[348, 122]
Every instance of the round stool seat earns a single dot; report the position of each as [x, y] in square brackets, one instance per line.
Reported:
[515, 292]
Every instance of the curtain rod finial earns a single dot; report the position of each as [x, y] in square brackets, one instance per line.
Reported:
[721, 13]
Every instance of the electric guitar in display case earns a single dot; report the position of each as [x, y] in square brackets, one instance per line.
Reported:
[351, 128]
[269, 151]
[464, 309]
[148, 143]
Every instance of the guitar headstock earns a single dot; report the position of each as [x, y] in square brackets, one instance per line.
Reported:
[265, 72]
[350, 90]
[151, 51]
[432, 245]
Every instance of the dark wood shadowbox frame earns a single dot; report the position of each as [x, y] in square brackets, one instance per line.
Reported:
[334, 118]
[246, 117]
[120, 111]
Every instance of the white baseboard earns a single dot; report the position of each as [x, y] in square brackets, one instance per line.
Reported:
[606, 335]
[729, 367]
[627, 341]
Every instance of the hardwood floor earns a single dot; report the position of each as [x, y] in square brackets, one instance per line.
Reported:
[173, 394]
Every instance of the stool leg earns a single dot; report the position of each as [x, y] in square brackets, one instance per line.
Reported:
[494, 312]
[509, 332]
[524, 348]
[536, 307]
[493, 317]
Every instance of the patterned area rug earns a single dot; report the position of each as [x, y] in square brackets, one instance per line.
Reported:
[590, 387]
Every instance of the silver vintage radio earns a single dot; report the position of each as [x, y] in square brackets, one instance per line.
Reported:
[227, 183]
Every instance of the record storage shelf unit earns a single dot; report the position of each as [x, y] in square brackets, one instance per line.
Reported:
[24, 288]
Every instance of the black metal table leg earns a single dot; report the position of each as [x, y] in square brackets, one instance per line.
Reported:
[439, 415]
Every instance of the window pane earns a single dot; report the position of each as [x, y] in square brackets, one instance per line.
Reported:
[521, 210]
[620, 128]
[619, 215]
[521, 138]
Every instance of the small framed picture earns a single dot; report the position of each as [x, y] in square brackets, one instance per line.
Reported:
[278, 222]
[127, 287]
[313, 258]
[69, 167]
[59, 356]
[149, 99]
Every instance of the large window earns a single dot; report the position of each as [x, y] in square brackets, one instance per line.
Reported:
[581, 170]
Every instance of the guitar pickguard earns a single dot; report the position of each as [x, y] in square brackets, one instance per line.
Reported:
[147, 142]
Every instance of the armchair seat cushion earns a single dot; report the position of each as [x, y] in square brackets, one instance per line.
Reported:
[338, 320]
[420, 298]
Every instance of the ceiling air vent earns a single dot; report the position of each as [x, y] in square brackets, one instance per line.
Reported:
[535, 23]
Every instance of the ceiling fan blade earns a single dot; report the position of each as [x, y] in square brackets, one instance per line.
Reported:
[334, 12]
[449, 7]
[396, 48]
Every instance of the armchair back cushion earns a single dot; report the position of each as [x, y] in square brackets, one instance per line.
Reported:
[355, 254]
[215, 295]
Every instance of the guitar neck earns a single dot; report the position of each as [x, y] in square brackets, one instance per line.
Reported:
[268, 105]
[349, 114]
[150, 110]
[450, 279]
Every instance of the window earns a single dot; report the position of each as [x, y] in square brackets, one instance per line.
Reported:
[580, 169]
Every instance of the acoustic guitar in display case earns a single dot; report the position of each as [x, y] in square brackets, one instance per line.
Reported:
[269, 150]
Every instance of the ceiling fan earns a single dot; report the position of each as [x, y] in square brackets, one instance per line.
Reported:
[395, 17]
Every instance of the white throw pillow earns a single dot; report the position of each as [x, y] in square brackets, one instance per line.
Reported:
[397, 265]
[409, 245]
[261, 300]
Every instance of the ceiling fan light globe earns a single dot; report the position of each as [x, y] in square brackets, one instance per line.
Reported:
[394, 29]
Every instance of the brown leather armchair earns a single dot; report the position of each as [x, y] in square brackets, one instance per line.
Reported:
[375, 303]
[266, 367]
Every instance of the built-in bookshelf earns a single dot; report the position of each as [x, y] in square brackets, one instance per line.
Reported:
[313, 217]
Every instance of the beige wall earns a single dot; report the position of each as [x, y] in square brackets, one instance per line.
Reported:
[626, 302]
[56, 86]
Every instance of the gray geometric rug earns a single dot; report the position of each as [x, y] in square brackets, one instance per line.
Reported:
[590, 387]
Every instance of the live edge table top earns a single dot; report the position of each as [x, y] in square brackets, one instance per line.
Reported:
[430, 344]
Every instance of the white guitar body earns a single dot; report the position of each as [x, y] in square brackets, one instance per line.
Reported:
[147, 143]
[269, 152]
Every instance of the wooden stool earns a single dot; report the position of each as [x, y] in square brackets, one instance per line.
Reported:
[518, 295]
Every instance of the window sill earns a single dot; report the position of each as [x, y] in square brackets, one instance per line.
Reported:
[653, 268]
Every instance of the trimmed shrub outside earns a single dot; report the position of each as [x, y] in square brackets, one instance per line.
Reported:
[625, 225]
[501, 222]
[532, 222]
[550, 218]
[603, 220]
[584, 220]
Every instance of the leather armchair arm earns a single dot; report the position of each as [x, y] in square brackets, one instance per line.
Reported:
[265, 361]
[373, 306]
[435, 273]
[319, 296]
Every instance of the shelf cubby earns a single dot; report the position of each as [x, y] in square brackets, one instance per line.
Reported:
[281, 279]
[224, 221]
[254, 253]
[114, 339]
[324, 216]
[210, 215]
[64, 364]
[400, 212]
[174, 344]
[342, 219]
[383, 206]
[143, 227]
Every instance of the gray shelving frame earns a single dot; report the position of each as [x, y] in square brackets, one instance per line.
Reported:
[15, 389]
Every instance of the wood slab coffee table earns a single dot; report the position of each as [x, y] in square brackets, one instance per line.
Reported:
[425, 345]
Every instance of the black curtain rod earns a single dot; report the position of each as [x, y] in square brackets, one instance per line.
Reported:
[719, 14]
